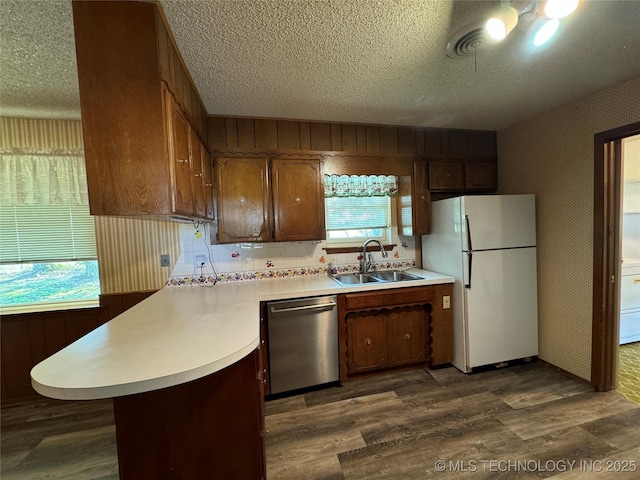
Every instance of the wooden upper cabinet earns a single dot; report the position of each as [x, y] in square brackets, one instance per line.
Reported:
[198, 176]
[462, 176]
[480, 176]
[446, 175]
[414, 202]
[244, 200]
[298, 200]
[208, 182]
[136, 135]
[182, 162]
[261, 201]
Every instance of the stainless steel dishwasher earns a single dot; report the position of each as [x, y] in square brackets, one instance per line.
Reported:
[302, 343]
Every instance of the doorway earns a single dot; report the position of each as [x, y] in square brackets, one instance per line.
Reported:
[628, 378]
[608, 185]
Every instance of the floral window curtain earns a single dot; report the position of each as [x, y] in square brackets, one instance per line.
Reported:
[360, 185]
[43, 180]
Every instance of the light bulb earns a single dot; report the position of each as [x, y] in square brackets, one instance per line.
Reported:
[546, 31]
[560, 8]
[502, 22]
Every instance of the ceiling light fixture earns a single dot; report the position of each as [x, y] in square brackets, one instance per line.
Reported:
[560, 8]
[502, 22]
[544, 29]
[537, 20]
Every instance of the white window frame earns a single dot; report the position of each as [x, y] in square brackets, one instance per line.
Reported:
[384, 237]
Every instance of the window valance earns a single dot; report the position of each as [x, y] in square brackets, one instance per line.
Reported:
[360, 185]
[43, 180]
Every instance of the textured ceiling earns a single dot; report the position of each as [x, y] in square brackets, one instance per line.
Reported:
[363, 61]
[38, 73]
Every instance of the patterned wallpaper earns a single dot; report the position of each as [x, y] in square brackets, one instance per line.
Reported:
[551, 155]
[129, 253]
[39, 135]
[128, 249]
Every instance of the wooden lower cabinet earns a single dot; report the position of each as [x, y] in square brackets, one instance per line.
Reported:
[212, 427]
[367, 339]
[407, 331]
[386, 338]
[392, 328]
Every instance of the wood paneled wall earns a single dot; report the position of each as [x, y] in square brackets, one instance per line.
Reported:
[270, 135]
[29, 338]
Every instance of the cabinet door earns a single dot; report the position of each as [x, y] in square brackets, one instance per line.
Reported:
[440, 335]
[407, 335]
[414, 202]
[366, 341]
[179, 132]
[298, 200]
[209, 188]
[422, 208]
[197, 170]
[480, 176]
[446, 175]
[244, 200]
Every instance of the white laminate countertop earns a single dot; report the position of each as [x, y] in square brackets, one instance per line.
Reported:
[179, 334]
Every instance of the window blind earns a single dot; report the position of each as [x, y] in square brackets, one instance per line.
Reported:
[46, 233]
[352, 213]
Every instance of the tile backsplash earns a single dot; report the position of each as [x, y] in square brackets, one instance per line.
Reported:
[243, 261]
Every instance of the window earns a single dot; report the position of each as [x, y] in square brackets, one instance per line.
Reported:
[353, 219]
[48, 254]
[358, 207]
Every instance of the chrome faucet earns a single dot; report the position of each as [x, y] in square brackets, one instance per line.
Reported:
[366, 263]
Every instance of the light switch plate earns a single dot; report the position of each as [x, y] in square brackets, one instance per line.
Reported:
[165, 260]
[446, 302]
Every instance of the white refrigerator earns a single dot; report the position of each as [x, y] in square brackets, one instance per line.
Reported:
[488, 244]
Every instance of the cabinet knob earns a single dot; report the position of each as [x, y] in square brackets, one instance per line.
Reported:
[241, 200]
[208, 185]
[367, 341]
[407, 336]
[296, 200]
[198, 175]
[183, 161]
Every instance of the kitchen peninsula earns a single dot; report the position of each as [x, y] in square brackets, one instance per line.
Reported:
[183, 367]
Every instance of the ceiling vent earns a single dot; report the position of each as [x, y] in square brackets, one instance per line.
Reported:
[465, 42]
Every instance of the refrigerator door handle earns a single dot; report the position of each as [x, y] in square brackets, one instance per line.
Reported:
[469, 262]
[466, 220]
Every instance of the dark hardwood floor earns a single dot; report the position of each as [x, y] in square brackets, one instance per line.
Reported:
[521, 422]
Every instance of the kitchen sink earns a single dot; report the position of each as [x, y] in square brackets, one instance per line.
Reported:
[355, 278]
[395, 276]
[373, 277]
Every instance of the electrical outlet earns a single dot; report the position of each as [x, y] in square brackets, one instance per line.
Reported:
[446, 302]
[165, 260]
[200, 261]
